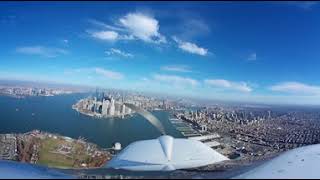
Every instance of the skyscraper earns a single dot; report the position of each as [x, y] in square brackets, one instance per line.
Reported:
[123, 109]
[105, 106]
[112, 108]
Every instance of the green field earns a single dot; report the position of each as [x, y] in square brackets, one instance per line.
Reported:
[48, 158]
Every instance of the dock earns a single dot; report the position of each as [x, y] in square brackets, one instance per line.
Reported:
[205, 137]
[185, 128]
[212, 144]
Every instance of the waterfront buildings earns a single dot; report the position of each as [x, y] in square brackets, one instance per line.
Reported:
[21, 92]
[113, 104]
[8, 147]
[105, 107]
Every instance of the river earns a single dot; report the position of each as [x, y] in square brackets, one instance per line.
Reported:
[55, 115]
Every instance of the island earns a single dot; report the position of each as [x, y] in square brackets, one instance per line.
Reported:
[106, 107]
[113, 104]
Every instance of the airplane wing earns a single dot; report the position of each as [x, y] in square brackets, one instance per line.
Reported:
[301, 163]
[297, 163]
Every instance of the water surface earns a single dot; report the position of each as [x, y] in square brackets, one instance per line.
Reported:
[55, 115]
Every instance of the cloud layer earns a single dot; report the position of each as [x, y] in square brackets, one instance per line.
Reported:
[94, 71]
[140, 26]
[296, 88]
[41, 51]
[225, 84]
[118, 52]
[176, 68]
[175, 80]
[190, 47]
[109, 74]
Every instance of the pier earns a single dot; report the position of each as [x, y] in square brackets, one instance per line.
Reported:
[185, 129]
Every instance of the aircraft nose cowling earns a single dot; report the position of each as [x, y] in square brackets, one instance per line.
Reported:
[167, 146]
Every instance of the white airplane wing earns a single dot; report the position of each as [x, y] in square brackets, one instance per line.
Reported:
[297, 163]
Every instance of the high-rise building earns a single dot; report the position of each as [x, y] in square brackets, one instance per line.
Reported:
[112, 108]
[127, 110]
[105, 106]
[123, 109]
[98, 107]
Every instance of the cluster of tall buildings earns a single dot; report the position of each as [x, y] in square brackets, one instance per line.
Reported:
[231, 115]
[112, 103]
[105, 107]
[30, 91]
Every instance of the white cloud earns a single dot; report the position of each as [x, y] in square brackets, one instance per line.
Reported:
[296, 88]
[176, 68]
[143, 27]
[105, 35]
[104, 25]
[252, 57]
[130, 27]
[190, 47]
[175, 80]
[113, 51]
[225, 84]
[94, 71]
[109, 74]
[41, 51]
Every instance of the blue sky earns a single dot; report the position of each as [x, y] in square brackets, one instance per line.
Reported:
[258, 52]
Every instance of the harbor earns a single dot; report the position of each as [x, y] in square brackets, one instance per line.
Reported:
[74, 124]
[190, 132]
[184, 128]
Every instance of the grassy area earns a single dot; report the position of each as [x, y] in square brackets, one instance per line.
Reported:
[49, 158]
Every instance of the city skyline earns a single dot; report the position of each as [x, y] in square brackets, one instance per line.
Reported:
[252, 52]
